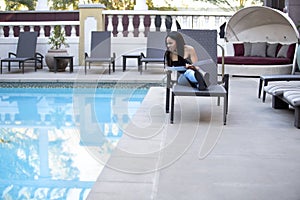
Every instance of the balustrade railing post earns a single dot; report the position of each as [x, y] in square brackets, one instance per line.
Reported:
[120, 26]
[189, 21]
[217, 21]
[174, 25]
[212, 21]
[110, 26]
[1, 31]
[130, 28]
[73, 31]
[206, 19]
[51, 29]
[11, 31]
[196, 23]
[141, 28]
[184, 21]
[201, 21]
[163, 23]
[21, 29]
[63, 27]
[42, 31]
[152, 23]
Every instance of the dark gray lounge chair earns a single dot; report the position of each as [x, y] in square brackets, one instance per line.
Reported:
[155, 49]
[205, 44]
[285, 96]
[265, 79]
[293, 99]
[100, 50]
[26, 52]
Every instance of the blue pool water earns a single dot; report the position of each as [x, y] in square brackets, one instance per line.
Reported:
[53, 142]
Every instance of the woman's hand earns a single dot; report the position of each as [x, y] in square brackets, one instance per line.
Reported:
[189, 66]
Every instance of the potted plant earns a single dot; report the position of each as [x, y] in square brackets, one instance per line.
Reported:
[57, 40]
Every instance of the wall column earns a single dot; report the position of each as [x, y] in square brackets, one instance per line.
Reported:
[293, 9]
[91, 19]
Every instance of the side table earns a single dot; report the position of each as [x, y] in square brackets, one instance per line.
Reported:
[68, 57]
[137, 56]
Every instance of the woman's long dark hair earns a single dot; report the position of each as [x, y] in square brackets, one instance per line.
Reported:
[179, 44]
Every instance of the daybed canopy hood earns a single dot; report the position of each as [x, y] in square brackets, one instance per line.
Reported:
[260, 23]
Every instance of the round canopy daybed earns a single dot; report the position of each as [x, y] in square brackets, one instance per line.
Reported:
[260, 27]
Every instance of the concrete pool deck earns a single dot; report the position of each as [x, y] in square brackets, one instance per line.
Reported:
[255, 156]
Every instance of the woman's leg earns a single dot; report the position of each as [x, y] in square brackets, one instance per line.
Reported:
[183, 80]
[201, 83]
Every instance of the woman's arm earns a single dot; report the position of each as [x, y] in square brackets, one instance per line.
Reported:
[193, 55]
[189, 52]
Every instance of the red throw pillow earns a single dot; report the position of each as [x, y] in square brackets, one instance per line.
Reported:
[238, 49]
[291, 51]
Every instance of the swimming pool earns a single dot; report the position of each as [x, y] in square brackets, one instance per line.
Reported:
[54, 141]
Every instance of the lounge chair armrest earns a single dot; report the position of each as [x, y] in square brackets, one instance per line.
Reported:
[223, 59]
[170, 82]
[225, 81]
[39, 55]
[143, 55]
[114, 55]
[10, 54]
[86, 55]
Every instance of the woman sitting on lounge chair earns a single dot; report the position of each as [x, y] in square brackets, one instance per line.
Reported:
[180, 54]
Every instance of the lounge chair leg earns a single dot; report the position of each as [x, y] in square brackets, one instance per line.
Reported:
[85, 68]
[41, 63]
[226, 103]
[167, 99]
[225, 110]
[1, 67]
[277, 103]
[109, 69]
[141, 68]
[264, 93]
[260, 87]
[172, 109]
[297, 117]
[35, 65]
[23, 67]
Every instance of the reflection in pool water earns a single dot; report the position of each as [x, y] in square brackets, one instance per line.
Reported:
[53, 142]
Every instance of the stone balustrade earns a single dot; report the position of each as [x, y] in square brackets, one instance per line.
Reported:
[122, 23]
[138, 23]
[11, 29]
[126, 23]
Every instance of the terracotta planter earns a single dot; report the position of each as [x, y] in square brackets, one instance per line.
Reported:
[62, 63]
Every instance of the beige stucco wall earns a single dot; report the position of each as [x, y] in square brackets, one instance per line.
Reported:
[89, 11]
